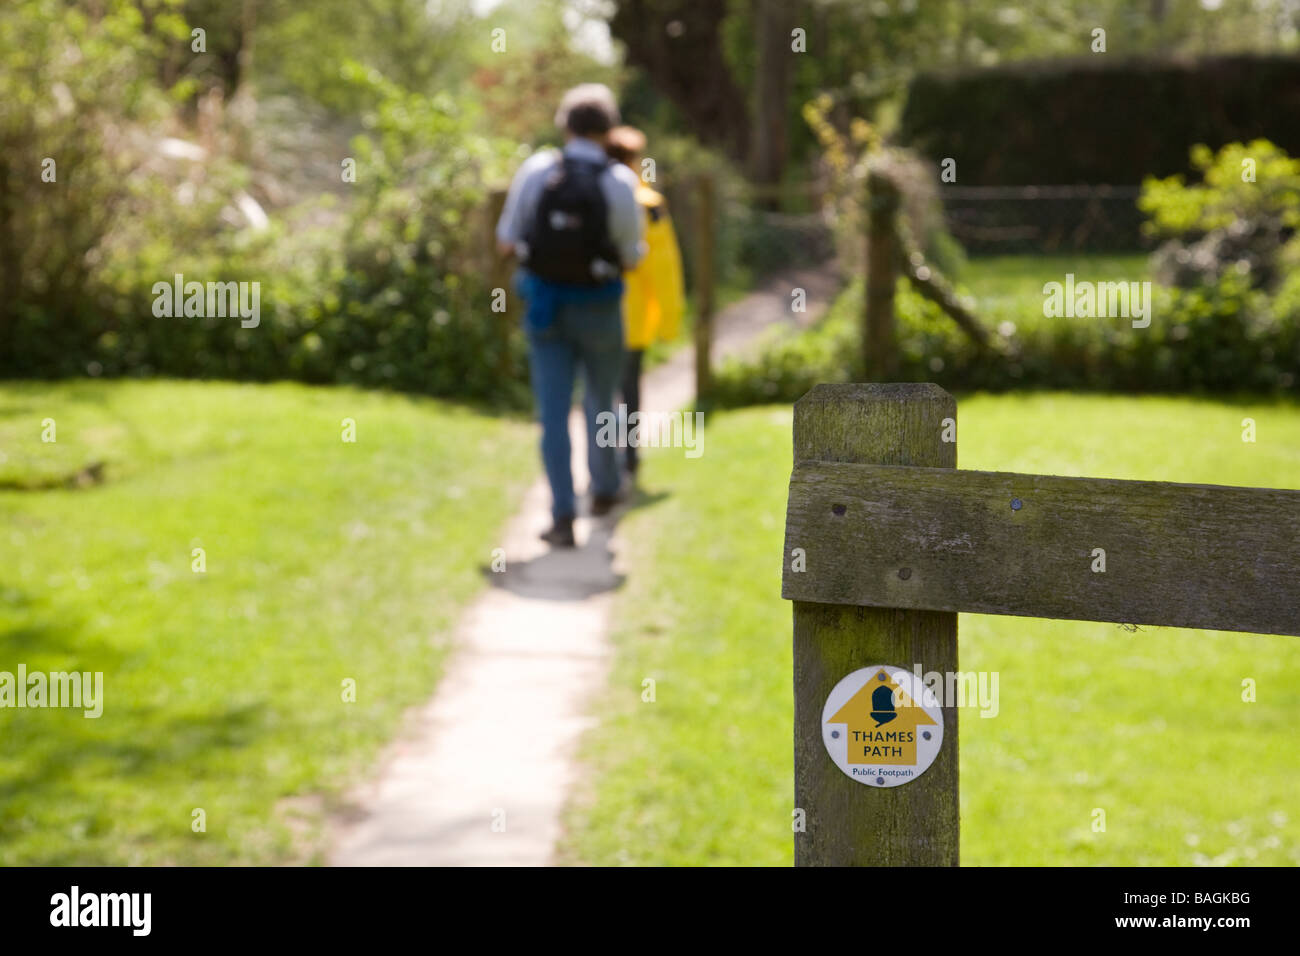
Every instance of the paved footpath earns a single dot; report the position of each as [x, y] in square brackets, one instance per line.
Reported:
[481, 777]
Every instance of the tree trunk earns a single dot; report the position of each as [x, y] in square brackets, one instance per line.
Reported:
[772, 27]
[679, 44]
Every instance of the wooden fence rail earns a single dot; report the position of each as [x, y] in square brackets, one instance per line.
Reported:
[885, 541]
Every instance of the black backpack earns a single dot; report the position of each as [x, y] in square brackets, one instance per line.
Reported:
[569, 239]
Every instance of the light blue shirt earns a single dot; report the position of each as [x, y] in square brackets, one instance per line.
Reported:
[617, 182]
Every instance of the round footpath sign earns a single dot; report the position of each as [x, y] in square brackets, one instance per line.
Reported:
[882, 726]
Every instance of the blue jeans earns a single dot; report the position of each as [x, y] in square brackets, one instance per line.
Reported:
[586, 336]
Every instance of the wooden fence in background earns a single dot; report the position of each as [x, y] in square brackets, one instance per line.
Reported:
[891, 250]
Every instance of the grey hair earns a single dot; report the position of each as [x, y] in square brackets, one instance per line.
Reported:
[588, 109]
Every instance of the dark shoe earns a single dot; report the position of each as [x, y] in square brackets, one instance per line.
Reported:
[603, 504]
[561, 534]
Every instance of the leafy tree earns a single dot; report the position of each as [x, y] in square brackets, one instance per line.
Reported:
[728, 67]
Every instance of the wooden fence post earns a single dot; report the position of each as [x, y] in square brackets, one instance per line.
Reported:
[847, 823]
[879, 344]
[704, 227]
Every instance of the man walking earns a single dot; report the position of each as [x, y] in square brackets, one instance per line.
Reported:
[572, 219]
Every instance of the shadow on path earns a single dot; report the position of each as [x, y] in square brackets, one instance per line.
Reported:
[571, 574]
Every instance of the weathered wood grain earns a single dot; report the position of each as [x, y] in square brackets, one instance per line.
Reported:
[932, 538]
[848, 823]
[879, 339]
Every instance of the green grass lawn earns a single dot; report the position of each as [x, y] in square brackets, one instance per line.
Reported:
[326, 561]
[990, 278]
[1010, 288]
[1148, 725]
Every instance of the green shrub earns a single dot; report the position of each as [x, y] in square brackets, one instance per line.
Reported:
[1227, 337]
[414, 308]
[387, 291]
[74, 95]
[1241, 217]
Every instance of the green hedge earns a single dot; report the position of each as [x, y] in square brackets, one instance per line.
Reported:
[1100, 118]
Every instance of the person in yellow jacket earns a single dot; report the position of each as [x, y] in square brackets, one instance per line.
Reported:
[653, 295]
